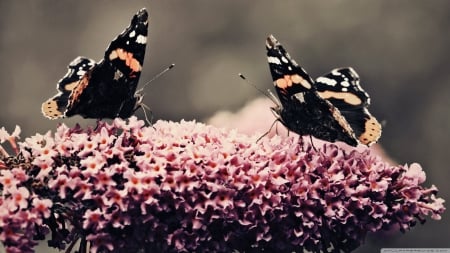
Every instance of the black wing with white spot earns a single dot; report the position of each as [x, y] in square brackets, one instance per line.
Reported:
[127, 51]
[56, 106]
[76, 70]
[109, 92]
[288, 77]
[341, 87]
[105, 89]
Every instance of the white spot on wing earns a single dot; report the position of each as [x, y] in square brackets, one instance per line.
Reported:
[132, 34]
[273, 60]
[81, 72]
[284, 59]
[141, 39]
[327, 81]
[300, 97]
[335, 72]
[117, 75]
[345, 84]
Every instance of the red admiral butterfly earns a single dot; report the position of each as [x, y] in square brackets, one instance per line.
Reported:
[332, 108]
[106, 89]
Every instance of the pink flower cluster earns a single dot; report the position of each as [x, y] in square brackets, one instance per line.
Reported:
[189, 187]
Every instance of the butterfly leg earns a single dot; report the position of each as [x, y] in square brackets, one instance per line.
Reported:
[312, 143]
[266, 133]
[144, 109]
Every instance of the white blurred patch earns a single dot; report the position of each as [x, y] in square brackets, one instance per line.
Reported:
[327, 81]
[141, 39]
[273, 60]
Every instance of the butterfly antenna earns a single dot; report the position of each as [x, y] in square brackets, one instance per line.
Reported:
[156, 77]
[269, 93]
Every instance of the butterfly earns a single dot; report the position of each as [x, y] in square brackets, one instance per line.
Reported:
[105, 89]
[332, 108]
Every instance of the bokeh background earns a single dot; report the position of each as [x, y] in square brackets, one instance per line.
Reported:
[401, 49]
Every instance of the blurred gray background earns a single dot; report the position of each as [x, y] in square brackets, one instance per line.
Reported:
[400, 49]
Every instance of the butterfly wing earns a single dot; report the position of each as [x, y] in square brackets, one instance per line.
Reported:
[109, 90]
[127, 51]
[302, 110]
[341, 87]
[105, 89]
[288, 77]
[56, 106]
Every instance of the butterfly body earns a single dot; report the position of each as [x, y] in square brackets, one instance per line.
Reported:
[332, 108]
[105, 89]
[305, 120]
